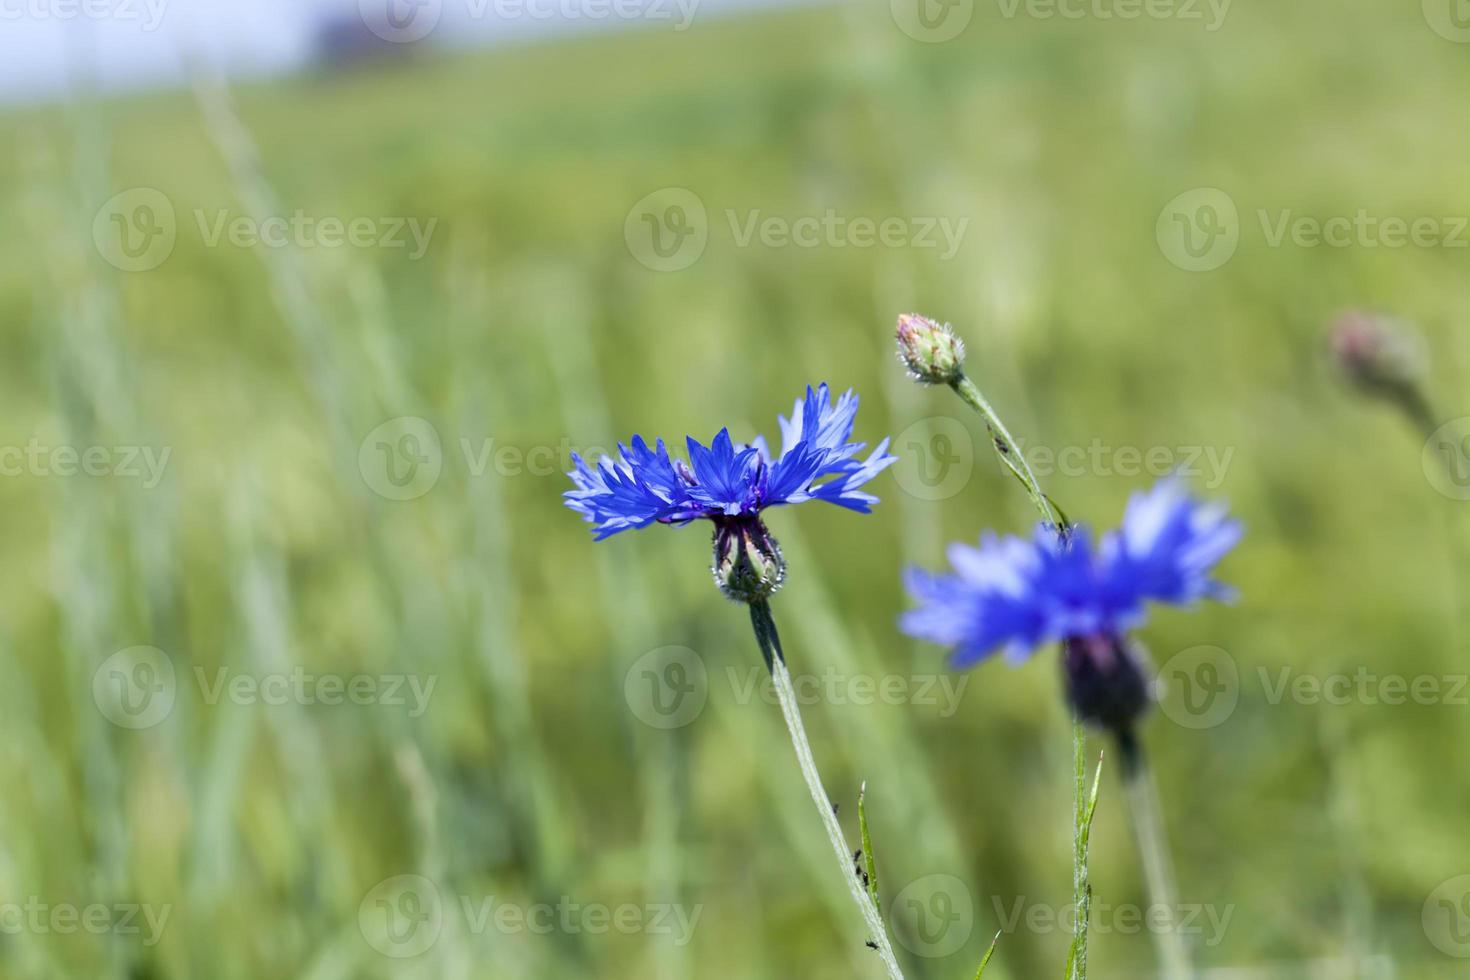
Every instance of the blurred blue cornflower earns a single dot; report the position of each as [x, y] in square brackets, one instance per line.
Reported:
[730, 484]
[1017, 595]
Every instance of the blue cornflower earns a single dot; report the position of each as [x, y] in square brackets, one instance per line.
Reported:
[1016, 595]
[730, 484]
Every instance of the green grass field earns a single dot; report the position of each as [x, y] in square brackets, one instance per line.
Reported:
[269, 830]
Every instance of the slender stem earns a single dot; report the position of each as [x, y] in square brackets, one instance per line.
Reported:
[1010, 454]
[1081, 890]
[1008, 451]
[1077, 959]
[1148, 829]
[770, 643]
[1051, 514]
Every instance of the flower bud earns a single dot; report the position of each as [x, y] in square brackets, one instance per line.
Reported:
[748, 565]
[1377, 354]
[931, 351]
[1107, 683]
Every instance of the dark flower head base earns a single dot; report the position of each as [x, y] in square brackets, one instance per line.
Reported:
[1107, 682]
[730, 484]
[1017, 595]
[748, 563]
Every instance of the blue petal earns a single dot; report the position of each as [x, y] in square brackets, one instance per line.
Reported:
[1020, 594]
[636, 490]
[817, 462]
[1168, 546]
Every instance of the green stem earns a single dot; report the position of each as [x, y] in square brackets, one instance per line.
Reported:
[1009, 452]
[1081, 889]
[770, 643]
[1148, 829]
[1051, 514]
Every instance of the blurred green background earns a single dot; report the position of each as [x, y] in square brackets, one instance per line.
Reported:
[273, 833]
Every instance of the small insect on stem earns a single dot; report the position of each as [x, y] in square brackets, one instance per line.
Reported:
[857, 867]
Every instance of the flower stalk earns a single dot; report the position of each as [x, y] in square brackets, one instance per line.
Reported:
[1009, 453]
[1062, 585]
[917, 336]
[1153, 849]
[730, 485]
[770, 643]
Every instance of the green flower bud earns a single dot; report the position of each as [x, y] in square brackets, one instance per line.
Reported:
[931, 351]
[748, 564]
